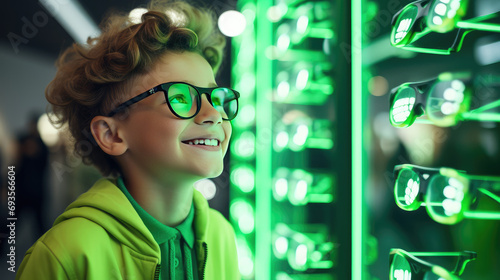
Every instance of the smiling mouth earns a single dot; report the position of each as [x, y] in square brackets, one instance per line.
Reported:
[203, 142]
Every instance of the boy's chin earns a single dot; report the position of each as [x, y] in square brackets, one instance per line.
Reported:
[214, 174]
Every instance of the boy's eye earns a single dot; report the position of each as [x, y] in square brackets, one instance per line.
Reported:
[179, 98]
[216, 101]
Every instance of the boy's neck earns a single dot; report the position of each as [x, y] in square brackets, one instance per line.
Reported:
[167, 202]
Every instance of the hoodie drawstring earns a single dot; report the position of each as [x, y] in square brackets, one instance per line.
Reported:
[188, 262]
[171, 246]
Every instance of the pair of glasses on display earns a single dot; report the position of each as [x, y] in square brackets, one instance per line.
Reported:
[444, 101]
[437, 26]
[448, 194]
[184, 100]
[406, 266]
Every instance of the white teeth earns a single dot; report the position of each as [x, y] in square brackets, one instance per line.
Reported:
[207, 142]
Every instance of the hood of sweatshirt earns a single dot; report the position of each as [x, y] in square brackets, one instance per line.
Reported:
[106, 205]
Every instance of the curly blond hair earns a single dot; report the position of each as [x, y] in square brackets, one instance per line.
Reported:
[90, 79]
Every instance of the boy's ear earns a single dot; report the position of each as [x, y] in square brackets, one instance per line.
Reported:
[107, 136]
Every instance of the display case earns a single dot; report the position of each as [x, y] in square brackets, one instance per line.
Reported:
[434, 151]
[341, 100]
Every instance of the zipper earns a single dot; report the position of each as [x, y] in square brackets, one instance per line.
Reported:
[157, 272]
[205, 261]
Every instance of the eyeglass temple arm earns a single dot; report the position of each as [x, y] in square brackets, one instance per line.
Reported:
[421, 86]
[485, 185]
[488, 80]
[488, 183]
[455, 47]
[132, 101]
[464, 258]
[479, 23]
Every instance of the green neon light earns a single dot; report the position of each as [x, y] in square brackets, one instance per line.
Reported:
[243, 145]
[245, 258]
[281, 245]
[295, 55]
[320, 198]
[263, 162]
[358, 270]
[317, 276]
[323, 33]
[244, 178]
[319, 143]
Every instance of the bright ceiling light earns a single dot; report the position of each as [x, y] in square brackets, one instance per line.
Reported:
[232, 23]
[73, 18]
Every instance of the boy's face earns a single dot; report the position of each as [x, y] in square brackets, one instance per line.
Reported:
[158, 141]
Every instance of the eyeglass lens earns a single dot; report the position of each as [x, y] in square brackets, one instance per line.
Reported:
[445, 196]
[401, 31]
[400, 268]
[445, 100]
[183, 100]
[406, 189]
[402, 105]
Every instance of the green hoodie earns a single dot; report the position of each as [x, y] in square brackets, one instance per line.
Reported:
[101, 236]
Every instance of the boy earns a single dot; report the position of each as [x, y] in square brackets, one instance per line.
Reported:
[145, 95]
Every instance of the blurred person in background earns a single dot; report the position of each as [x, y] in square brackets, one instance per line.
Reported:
[32, 174]
[7, 158]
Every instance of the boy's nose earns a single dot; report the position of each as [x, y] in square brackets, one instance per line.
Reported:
[207, 113]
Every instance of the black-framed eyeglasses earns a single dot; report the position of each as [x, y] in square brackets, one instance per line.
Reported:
[184, 100]
[444, 100]
[436, 26]
[405, 265]
[449, 195]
